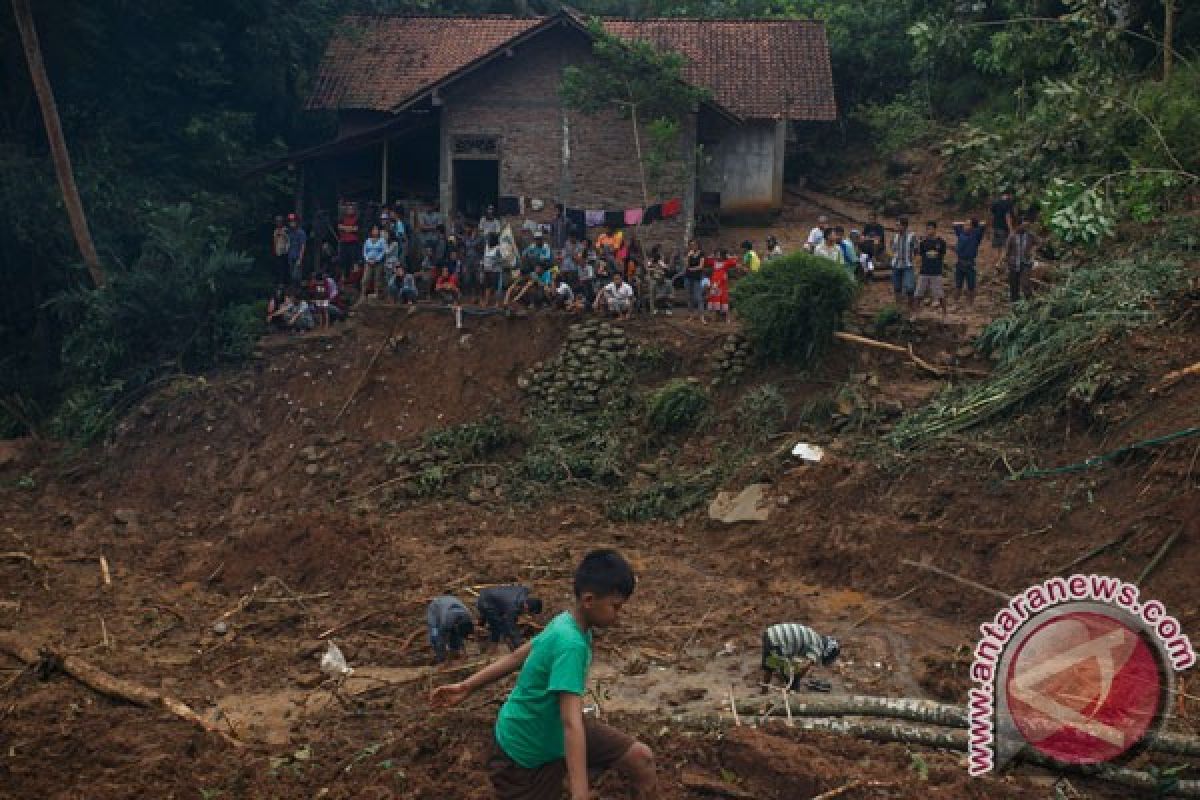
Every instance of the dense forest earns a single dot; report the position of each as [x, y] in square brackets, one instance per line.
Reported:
[1087, 105]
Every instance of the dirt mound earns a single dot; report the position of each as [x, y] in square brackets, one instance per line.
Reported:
[316, 554]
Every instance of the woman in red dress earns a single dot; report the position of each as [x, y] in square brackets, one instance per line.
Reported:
[718, 284]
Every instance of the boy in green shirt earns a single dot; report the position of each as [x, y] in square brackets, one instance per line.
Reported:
[541, 734]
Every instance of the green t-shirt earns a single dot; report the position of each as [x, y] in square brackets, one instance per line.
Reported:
[529, 728]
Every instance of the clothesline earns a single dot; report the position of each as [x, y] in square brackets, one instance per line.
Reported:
[581, 218]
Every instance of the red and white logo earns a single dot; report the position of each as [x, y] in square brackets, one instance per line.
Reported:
[1084, 687]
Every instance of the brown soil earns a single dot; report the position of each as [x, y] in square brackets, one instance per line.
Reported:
[249, 479]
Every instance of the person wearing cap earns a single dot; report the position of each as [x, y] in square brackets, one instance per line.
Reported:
[297, 244]
[347, 237]
[790, 650]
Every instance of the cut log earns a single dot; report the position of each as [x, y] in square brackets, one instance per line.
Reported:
[108, 685]
[699, 782]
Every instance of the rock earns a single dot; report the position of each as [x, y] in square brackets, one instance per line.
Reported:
[475, 496]
[125, 516]
[489, 481]
[745, 506]
[331, 471]
[312, 469]
[220, 627]
[648, 469]
[310, 453]
[965, 351]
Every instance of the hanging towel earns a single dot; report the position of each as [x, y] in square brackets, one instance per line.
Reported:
[508, 206]
[671, 208]
[633, 216]
[594, 219]
[653, 214]
[614, 219]
[577, 220]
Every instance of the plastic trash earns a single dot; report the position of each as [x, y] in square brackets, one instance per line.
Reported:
[808, 452]
[334, 663]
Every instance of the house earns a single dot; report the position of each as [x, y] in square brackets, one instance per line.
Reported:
[466, 110]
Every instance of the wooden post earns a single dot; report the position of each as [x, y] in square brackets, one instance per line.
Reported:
[58, 143]
[383, 178]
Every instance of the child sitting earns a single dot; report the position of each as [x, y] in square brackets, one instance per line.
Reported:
[402, 287]
[449, 624]
[446, 287]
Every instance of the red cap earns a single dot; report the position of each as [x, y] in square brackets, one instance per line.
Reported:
[291, 217]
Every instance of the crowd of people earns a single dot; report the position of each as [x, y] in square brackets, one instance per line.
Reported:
[405, 257]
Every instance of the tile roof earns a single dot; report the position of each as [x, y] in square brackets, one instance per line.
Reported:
[755, 68]
[376, 62]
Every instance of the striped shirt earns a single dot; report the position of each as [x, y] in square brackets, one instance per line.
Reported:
[792, 640]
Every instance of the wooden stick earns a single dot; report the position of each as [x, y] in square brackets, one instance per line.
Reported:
[351, 623]
[103, 683]
[1174, 377]
[104, 634]
[1095, 551]
[940, 372]
[1159, 556]
[787, 704]
[884, 605]
[733, 707]
[362, 381]
[104, 571]
[956, 578]
[850, 787]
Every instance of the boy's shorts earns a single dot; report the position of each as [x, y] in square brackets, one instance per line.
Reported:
[930, 285]
[605, 747]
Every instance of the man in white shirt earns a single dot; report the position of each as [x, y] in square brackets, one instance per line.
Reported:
[816, 236]
[616, 298]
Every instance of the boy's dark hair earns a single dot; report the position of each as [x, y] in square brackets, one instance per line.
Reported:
[533, 605]
[931, 224]
[604, 573]
[838, 229]
[903, 221]
[747, 245]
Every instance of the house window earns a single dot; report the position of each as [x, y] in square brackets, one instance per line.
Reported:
[476, 146]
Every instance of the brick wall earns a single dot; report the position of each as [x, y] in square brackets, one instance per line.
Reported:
[517, 99]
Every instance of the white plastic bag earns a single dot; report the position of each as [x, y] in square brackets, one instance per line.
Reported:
[334, 663]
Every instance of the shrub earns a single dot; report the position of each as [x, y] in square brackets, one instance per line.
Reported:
[675, 407]
[791, 307]
[762, 411]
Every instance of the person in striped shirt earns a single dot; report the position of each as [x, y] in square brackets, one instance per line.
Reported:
[799, 647]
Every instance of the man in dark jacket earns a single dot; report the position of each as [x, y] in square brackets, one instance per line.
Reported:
[967, 241]
[499, 607]
[450, 623]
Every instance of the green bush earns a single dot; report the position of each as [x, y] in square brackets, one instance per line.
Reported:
[472, 440]
[762, 411]
[791, 307]
[895, 125]
[675, 407]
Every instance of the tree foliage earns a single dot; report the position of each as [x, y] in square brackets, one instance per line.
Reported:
[792, 305]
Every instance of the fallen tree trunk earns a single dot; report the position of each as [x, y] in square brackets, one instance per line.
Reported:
[956, 740]
[907, 708]
[914, 709]
[100, 681]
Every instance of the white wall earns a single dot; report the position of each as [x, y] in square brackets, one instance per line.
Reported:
[747, 167]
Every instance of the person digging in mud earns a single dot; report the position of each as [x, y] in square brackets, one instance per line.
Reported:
[542, 736]
[790, 650]
[499, 608]
[450, 624]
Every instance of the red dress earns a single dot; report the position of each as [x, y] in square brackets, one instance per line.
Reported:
[718, 289]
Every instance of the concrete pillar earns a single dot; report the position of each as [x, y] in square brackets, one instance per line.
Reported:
[781, 127]
[383, 177]
[445, 166]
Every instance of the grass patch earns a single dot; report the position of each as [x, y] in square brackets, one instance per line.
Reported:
[677, 406]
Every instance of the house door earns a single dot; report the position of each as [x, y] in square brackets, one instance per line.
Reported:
[476, 185]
